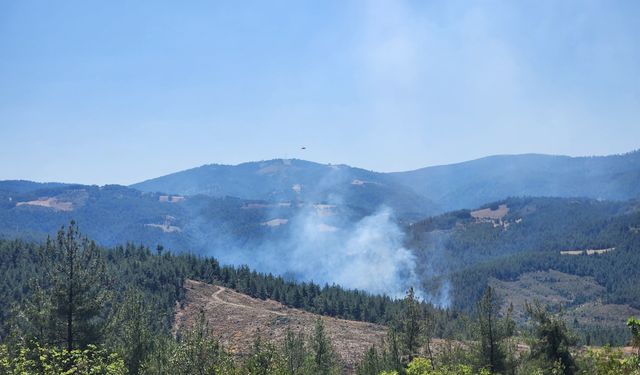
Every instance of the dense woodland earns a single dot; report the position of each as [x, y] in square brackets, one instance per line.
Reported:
[468, 253]
[72, 306]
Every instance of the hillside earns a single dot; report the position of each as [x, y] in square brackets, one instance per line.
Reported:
[115, 214]
[579, 255]
[420, 192]
[270, 236]
[453, 255]
[476, 182]
[237, 320]
[295, 181]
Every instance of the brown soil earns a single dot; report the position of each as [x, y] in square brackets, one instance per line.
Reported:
[237, 319]
[488, 213]
[52, 202]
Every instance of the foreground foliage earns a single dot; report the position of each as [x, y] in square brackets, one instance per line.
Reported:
[35, 359]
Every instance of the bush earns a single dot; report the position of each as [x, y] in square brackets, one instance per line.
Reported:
[54, 361]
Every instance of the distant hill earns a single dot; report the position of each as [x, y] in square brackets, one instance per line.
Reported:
[473, 183]
[296, 181]
[23, 186]
[417, 193]
[114, 215]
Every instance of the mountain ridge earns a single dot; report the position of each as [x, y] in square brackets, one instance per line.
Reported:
[444, 187]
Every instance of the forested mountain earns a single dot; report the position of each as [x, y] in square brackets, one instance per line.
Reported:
[309, 221]
[295, 181]
[457, 254]
[423, 191]
[23, 186]
[194, 210]
[126, 299]
[476, 182]
[580, 254]
[115, 214]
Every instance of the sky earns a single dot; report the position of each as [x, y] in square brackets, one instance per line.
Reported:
[101, 92]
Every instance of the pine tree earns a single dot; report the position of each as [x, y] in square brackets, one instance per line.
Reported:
[130, 332]
[198, 353]
[491, 334]
[391, 354]
[264, 358]
[553, 340]
[77, 276]
[371, 364]
[295, 353]
[411, 325]
[324, 360]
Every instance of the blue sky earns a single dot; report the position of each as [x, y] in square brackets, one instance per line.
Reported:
[121, 91]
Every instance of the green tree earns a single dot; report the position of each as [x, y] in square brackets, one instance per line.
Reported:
[419, 366]
[36, 359]
[551, 341]
[411, 325]
[634, 325]
[608, 361]
[294, 352]
[76, 272]
[324, 358]
[264, 359]
[392, 354]
[32, 317]
[160, 360]
[492, 332]
[371, 364]
[196, 353]
[130, 332]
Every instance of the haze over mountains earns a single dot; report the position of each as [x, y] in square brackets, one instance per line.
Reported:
[295, 181]
[334, 223]
[424, 191]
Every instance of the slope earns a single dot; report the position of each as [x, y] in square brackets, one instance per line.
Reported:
[538, 248]
[237, 320]
[295, 181]
[472, 183]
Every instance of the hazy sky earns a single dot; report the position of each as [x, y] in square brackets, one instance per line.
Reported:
[121, 91]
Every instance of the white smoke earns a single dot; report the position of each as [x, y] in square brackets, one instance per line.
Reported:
[329, 243]
[366, 255]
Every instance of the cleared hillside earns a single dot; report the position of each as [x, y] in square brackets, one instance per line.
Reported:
[237, 319]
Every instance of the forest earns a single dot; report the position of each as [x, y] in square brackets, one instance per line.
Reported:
[73, 307]
[471, 253]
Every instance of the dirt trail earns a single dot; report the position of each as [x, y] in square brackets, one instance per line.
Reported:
[216, 297]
